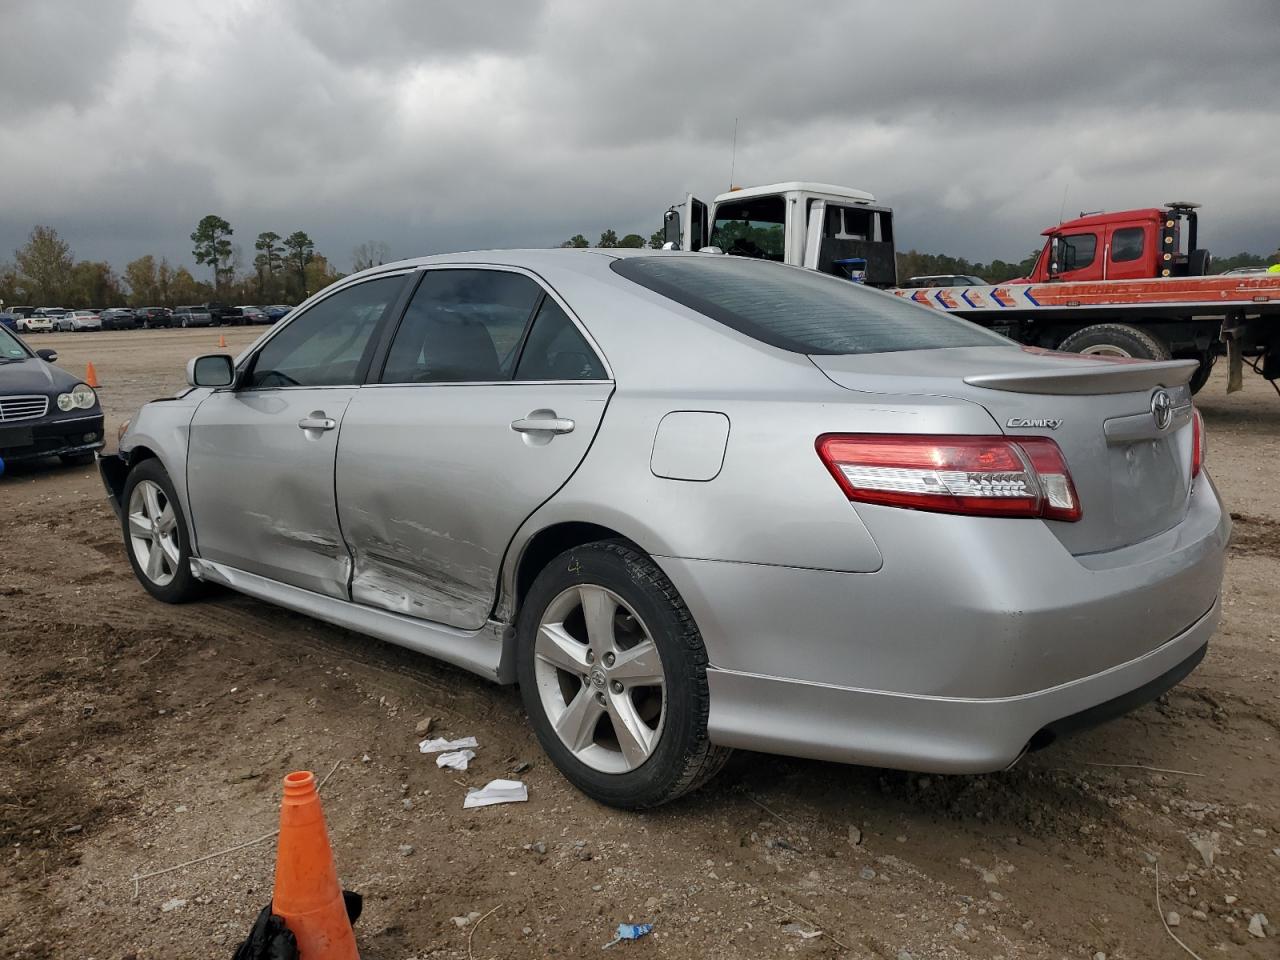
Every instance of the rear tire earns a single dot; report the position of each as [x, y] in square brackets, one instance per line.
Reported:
[591, 683]
[152, 522]
[1116, 340]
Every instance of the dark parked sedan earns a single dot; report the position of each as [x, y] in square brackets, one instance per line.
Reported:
[154, 317]
[44, 411]
[118, 318]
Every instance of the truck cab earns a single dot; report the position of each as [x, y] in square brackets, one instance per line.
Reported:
[836, 230]
[1150, 243]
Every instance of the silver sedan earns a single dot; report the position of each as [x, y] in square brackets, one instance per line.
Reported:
[692, 502]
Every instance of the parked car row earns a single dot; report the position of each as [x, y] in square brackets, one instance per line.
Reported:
[45, 319]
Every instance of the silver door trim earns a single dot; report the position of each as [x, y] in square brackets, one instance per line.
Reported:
[479, 651]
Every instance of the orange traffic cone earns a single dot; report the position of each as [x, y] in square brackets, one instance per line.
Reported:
[222, 339]
[91, 375]
[307, 895]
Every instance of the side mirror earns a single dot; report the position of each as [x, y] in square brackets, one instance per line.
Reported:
[49, 356]
[211, 370]
[671, 229]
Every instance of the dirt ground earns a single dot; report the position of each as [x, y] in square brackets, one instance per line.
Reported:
[136, 736]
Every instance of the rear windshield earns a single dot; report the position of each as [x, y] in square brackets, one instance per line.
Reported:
[800, 310]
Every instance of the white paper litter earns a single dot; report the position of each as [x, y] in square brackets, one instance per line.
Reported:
[457, 760]
[441, 744]
[496, 791]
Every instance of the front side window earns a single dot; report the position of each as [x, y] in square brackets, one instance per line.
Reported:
[1077, 251]
[324, 346]
[462, 326]
[556, 350]
[1126, 244]
[755, 227]
[801, 310]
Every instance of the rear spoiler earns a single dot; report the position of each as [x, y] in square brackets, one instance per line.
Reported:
[1108, 376]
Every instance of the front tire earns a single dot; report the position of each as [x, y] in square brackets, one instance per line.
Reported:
[155, 535]
[613, 674]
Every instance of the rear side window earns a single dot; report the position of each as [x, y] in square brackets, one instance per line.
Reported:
[556, 350]
[800, 310]
[462, 326]
[1126, 244]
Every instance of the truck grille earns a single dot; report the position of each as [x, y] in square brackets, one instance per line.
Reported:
[22, 408]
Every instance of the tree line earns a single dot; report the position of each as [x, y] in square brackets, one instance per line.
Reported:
[287, 269]
[610, 238]
[284, 269]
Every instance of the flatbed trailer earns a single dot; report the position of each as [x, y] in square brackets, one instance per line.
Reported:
[1237, 316]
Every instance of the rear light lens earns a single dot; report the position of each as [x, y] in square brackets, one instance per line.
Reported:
[978, 476]
[1198, 449]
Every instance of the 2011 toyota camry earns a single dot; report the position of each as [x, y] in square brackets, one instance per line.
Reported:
[692, 502]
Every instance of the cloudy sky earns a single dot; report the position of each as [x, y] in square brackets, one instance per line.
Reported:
[450, 126]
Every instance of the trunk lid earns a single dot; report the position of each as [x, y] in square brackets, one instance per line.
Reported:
[1132, 471]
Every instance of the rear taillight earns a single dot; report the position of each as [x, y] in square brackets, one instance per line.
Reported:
[979, 476]
[1197, 443]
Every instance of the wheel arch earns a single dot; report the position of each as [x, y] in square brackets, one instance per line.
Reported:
[548, 543]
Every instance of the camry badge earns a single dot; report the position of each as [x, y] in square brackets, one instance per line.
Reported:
[1162, 409]
[1041, 423]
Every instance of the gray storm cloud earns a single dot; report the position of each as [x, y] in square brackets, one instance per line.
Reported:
[438, 126]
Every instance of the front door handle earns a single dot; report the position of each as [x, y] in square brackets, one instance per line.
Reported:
[317, 421]
[555, 425]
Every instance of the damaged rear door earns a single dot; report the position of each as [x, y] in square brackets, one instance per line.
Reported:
[482, 405]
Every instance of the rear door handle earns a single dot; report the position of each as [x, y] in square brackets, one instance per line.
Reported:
[555, 425]
[315, 422]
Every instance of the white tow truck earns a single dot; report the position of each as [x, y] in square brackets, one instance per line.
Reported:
[837, 230]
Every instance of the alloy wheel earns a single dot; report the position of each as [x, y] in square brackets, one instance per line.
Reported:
[153, 532]
[600, 679]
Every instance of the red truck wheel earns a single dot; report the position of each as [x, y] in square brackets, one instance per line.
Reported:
[1116, 340]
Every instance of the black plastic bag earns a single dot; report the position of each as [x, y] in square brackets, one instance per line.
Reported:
[270, 939]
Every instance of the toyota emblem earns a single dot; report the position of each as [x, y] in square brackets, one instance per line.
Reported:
[1162, 409]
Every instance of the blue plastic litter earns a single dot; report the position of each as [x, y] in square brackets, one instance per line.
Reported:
[630, 931]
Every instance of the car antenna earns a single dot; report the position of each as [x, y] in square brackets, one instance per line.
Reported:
[733, 154]
[1062, 210]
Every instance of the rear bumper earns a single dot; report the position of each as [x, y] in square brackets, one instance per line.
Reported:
[62, 436]
[974, 636]
[936, 734]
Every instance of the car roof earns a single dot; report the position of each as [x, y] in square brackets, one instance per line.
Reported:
[645, 338]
